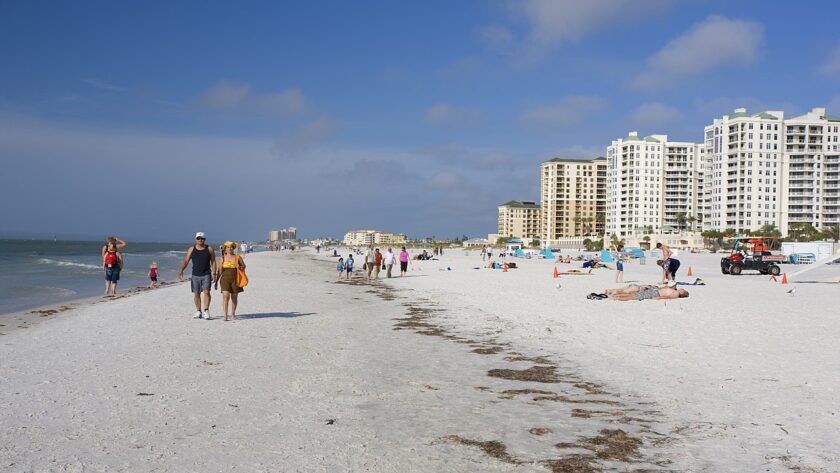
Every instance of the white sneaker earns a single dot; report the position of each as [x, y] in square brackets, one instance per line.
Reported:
[197, 314]
[207, 314]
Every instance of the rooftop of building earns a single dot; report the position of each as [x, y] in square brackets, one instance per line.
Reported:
[521, 204]
[575, 160]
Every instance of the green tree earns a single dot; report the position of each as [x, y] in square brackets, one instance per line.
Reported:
[691, 219]
[535, 243]
[831, 232]
[680, 218]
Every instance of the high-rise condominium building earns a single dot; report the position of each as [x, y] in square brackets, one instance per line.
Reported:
[519, 219]
[811, 190]
[283, 234]
[742, 171]
[653, 185]
[574, 197]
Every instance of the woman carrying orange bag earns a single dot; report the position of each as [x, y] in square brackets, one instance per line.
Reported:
[231, 265]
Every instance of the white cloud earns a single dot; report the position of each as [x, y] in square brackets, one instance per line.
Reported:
[831, 66]
[315, 132]
[713, 43]
[655, 114]
[568, 112]
[552, 23]
[228, 95]
[444, 114]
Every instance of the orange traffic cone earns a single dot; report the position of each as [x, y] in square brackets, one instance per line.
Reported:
[689, 271]
[784, 278]
[556, 274]
[504, 268]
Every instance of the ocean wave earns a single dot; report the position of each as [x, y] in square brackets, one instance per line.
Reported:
[28, 291]
[68, 263]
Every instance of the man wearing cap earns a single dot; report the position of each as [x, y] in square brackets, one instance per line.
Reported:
[203, 268]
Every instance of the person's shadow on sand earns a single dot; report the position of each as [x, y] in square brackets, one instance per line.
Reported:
[284, 315]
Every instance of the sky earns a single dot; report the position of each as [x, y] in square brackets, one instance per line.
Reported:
[154, 120]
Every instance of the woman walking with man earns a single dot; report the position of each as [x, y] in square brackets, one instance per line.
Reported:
[230, 264]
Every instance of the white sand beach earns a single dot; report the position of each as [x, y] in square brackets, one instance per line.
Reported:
[459, 370]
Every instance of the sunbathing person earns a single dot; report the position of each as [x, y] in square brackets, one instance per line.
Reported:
[640, 293]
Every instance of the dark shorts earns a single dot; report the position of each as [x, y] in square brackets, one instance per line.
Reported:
[200, 283]
[673, 266]
[403, 265]
[620, 266]
[153, 279]
[112, 274]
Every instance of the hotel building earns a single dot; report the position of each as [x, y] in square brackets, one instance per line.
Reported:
[811, 167]
[574, 198]
[372, 237]
[743, 172]
[519, 219]
[650, 182]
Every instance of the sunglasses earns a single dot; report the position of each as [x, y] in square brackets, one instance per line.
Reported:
[200, 238]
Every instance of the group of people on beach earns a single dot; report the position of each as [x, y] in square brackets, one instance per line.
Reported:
[207, 271]
[226, 274]
[375, 261]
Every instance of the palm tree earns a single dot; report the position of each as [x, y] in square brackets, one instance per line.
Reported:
[680, 218]
[691, 219]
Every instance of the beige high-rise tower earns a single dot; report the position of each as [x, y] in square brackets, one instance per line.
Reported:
[574, 197]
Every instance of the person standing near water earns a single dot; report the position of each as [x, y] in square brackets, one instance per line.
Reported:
[230, 263]
[203, 268]
[119, 244]
[113, 263]
[404, 259]
[153, 275]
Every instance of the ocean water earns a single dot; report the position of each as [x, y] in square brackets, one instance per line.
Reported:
[40, 272]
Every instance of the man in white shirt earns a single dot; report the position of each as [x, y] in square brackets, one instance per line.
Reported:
[370, 260]
[389, 261]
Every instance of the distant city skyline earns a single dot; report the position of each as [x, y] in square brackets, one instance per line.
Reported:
[157, 120]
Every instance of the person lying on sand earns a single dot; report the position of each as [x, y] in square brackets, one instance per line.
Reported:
[639, 293]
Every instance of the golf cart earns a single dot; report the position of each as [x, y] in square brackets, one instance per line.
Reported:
[753, 254]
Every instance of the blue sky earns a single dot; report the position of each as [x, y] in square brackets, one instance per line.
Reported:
[157, 119]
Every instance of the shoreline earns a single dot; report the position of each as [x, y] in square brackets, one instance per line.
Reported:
[457, 370]
[32, 316]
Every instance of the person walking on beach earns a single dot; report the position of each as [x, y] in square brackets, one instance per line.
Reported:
[153, 275]
[349, 265]
[340, 268]
[377, 263]
[203, 260]
[230, 263]
[388, 259]
[370, 258]
[404, 259]
[112, 262]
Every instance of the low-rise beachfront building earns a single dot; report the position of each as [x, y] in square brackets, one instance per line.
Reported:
[519, 219]
[574, 198]
[653, 185]
[743, 172]
[811, 170]
[373, 237]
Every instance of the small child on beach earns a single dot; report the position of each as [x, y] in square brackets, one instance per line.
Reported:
[349, 266]
[340, 267]
[153, 275]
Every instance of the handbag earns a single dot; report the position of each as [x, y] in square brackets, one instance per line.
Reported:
[241, 277]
